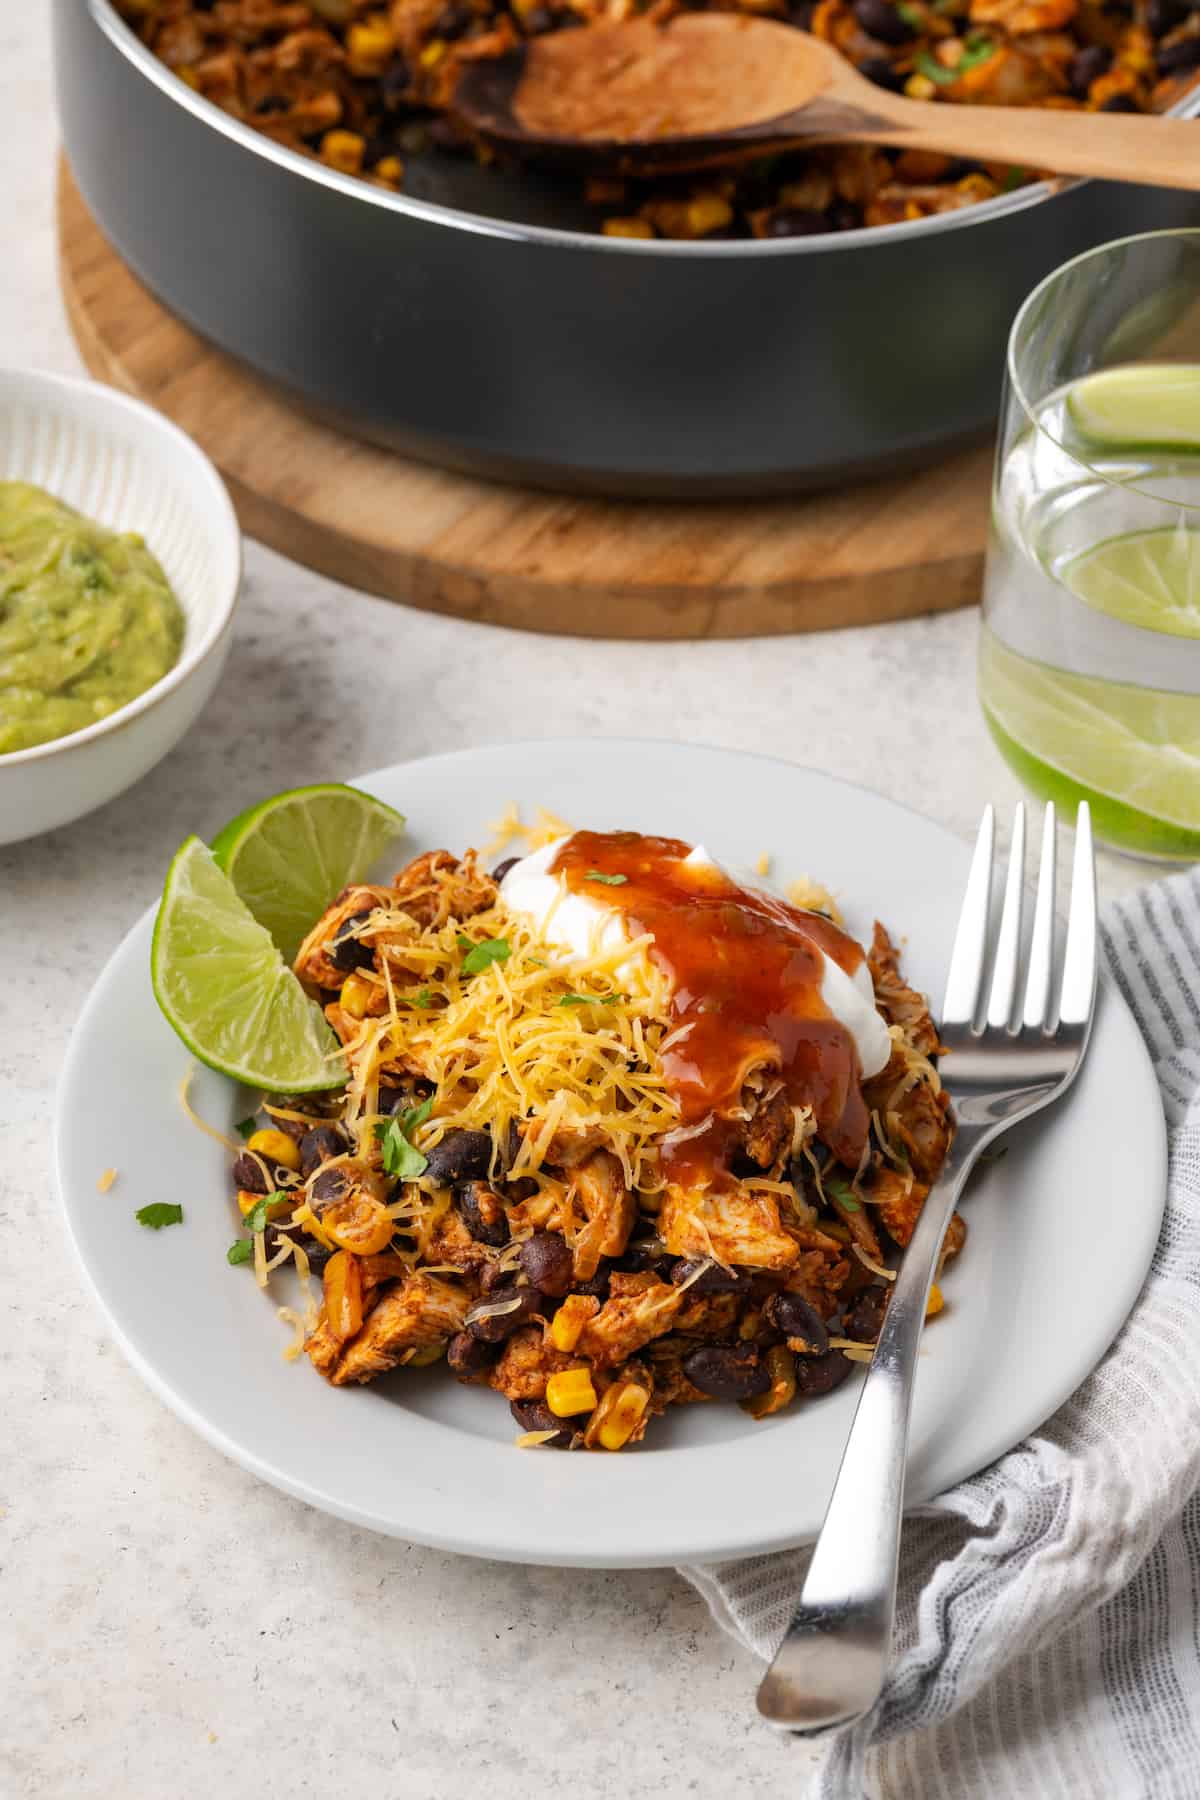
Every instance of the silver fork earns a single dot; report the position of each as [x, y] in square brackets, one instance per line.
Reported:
[830, 1668]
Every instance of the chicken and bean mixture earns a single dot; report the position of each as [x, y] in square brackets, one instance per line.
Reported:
[364, 84]
[527, 1174]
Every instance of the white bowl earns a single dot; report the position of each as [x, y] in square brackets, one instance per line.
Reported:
[130, 469]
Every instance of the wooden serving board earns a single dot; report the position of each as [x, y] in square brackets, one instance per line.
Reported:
[511, 556]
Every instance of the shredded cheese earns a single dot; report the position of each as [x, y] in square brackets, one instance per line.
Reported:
[106, 1181]
[211, 1131]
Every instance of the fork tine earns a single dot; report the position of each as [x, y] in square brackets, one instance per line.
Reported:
[1041, 947]
[1079, 961]
[970, 943]
[1008, 944]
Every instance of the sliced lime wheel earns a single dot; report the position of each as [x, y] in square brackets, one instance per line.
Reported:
[289, 856]
[1134, 752]
[226, 990]
[1155, 405]
[1146, 578]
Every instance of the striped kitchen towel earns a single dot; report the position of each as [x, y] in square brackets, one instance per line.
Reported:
[1048, 1630]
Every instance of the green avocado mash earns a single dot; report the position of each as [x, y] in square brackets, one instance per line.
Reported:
[87, 619]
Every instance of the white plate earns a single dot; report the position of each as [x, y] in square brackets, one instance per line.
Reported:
[1061, 1229]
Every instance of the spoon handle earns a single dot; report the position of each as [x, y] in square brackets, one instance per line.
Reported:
[1114, 146]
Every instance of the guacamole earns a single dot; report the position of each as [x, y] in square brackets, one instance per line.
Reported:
[87, 619]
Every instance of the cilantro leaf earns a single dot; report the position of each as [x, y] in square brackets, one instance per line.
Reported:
[240, 1251]
[159, 1214]
[842, 1195]
[592, 999]
[256, 1219]
[491, 950]
[422, 997]
[608, 880]
[246, 1128]
[912, 15]
[976, 50]
[400, 1157]
[1015, 178]
[464, 942]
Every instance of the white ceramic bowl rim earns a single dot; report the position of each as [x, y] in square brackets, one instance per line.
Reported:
[222, 616]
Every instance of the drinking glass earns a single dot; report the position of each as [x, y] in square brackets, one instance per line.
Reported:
[1089, 666]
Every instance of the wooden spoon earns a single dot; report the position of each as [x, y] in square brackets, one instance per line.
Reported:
[711, 88]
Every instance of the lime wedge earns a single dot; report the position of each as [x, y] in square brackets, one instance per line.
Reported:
[227, 991]
[288, 857]
[1134, 751]
[1146, 578]
[1148, 404]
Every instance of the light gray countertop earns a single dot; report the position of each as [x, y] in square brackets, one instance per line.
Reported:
[181, 1630]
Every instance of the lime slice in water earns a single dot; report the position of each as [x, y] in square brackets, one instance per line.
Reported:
[226, 990]
[288, 857]
[1146, 578]
[1147, 404]
[1134, 748]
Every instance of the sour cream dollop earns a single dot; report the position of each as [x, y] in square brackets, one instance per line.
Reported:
[583, 925]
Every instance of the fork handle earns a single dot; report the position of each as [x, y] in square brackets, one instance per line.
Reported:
[830, 1668]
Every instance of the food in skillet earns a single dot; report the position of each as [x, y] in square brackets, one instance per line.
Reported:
[363, 86]
[620, 1132]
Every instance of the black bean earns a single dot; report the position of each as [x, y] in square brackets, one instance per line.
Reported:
[248, 1173]
[879, 70]
[483, 1213]
[320, 1145]
[801, 16]
[793, 221]
[648, 1256]
[725, 1373]
[531, 1415]
[348, 952]
[446, 136]
[394, 1099]
[1171, 58]
[865, 1318]
[394, 84]
[816, 1375]
[791, 1314]
[599, 1284]
[293, 1128]
[1120, 103]
[317, 1254]
[501, 869]
[461, 1156]
[548, 1262]
[330, 1185]
[497, 1326]
[881, 20]
[1087, 66]
[270, 103]
[715, 1279]
[844, 216]
[1163, 16]
[468, 1355]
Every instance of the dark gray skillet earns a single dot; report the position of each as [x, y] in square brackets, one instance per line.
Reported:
[474, 323]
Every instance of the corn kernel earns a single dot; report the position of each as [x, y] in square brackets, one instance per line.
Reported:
[277, 1147]
[342, 1283]
[344, 150]
[188, 76]
[390, 169]
[570, 1319]
[355, 997]
[708, 212]
[624, 1415]
[370, 45]
[570, 1392]
[935, 1302]
[433, 53]
[919, 87]
[247, 1203]
[628, 228]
